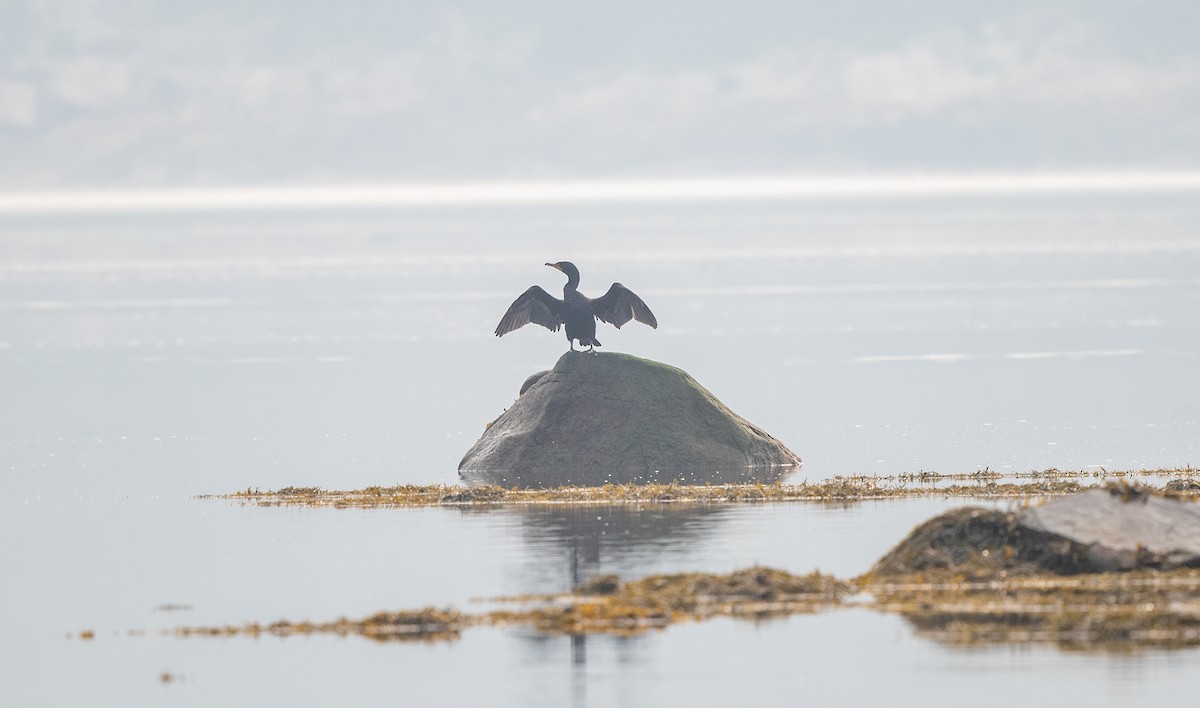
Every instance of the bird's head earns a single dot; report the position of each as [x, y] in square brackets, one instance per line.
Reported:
[568, 268]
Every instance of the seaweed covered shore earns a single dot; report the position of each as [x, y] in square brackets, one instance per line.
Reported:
[969, 576]
[1103, 611]
[983, 484]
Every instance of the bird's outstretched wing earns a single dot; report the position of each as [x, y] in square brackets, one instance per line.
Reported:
[619, 305]
[535, 305]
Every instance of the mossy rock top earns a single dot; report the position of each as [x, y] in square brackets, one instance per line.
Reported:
[617, 419]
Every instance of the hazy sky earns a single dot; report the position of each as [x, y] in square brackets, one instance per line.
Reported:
[144, 93]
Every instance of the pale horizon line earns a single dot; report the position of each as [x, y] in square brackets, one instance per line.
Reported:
[598, 191]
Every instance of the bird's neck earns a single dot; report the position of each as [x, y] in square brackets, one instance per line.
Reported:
[572, 284]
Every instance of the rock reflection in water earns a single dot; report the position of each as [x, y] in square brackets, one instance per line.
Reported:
[568, 545]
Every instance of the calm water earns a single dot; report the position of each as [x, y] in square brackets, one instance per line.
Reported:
[149, 359]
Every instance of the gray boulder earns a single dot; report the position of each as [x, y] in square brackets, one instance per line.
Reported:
[615, 418]
[1100, 530]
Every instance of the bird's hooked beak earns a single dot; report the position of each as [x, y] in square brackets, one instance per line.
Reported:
[555, 266]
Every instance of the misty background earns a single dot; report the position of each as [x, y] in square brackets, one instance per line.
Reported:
[142, 93]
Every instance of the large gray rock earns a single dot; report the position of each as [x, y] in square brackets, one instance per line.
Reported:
[1100, 530]
[615, 418]
[1122, 528]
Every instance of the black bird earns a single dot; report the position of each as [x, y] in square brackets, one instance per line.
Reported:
[577, 311]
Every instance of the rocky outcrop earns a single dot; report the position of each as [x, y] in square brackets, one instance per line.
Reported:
[1101, 530]
[615, 418]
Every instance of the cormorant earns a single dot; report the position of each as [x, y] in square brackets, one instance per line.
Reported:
[577, 311]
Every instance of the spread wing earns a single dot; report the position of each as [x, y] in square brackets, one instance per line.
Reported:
[535, 305]
[619, 305]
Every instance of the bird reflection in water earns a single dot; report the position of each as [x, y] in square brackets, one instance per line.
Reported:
[568, 546]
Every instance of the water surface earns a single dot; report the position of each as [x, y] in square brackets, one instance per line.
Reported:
[149, 358]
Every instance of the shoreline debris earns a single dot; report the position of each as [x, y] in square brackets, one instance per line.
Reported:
[984, 484]
[953, 584]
